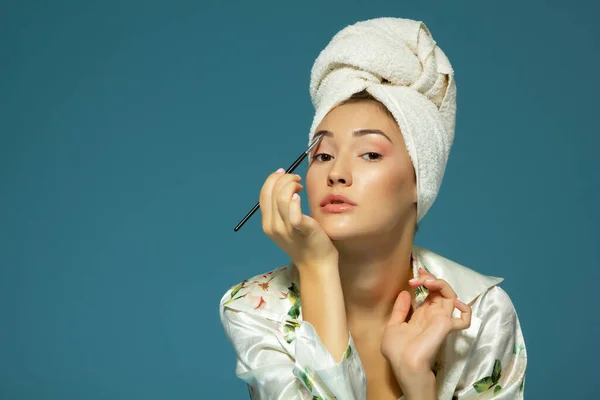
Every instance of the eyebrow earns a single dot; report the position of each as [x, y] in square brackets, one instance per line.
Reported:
[356, 133]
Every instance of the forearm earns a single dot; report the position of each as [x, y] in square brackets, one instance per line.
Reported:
[323, 306]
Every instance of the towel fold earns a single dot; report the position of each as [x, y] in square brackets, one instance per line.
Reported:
[398, 62]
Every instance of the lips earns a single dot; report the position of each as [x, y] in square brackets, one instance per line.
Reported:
[336, 203]
[335, 198]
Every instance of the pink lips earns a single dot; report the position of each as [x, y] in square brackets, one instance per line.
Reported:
[336, 203]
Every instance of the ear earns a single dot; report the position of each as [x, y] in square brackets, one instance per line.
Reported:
[415, 193]
[414, 185]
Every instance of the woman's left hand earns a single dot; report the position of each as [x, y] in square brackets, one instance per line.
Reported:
[411, 346]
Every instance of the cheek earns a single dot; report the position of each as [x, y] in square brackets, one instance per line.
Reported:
[309, 187]
[386, 183]
[403, 181]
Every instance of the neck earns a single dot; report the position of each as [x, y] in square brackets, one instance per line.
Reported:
[373, 272]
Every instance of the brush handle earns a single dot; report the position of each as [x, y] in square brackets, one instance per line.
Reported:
[257, 206]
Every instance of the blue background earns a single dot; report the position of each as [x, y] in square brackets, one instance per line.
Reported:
[134, 135]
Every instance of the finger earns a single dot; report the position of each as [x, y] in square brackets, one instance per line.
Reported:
[423, 272]
[440, 291]
[277, 223]
[295, 213]
[465, 316]
[284, 199]
[265, 199]
[422, 275]
[401, 309]
[440, 286]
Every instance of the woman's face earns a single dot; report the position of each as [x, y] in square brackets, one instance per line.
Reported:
[362, 157]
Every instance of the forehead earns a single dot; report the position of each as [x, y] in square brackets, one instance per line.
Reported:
[364, 114]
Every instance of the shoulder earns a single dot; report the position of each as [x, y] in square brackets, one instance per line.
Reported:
[270, 294]
[495, 302]
[500, 341]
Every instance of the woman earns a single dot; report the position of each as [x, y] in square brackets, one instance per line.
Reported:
[361, 312]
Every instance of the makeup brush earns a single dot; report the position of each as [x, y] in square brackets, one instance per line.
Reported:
[288, 171]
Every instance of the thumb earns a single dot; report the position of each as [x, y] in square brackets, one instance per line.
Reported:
[400, 310]
[307, 226]
[302, 223]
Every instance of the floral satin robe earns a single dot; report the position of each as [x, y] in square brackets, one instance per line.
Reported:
[281, 357]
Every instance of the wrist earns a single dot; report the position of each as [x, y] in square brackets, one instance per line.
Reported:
[323, 305]
[318, 270]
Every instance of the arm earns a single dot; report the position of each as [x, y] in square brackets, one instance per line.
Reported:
[323, 306]
[265, 363]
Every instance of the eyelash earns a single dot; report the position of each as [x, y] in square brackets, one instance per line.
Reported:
[379, 156]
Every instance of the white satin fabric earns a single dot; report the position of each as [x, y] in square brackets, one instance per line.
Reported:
[281, 357]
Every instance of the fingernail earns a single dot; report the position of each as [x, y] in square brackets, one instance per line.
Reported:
[295, 196]
[429, 280]
[280, 170]
[413, 280]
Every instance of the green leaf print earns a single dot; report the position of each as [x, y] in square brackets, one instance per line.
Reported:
[294, 298]
[497, 389]
[295, 310]
[348, 352]
[311, 380]
[235, 291]
[289, 331]
[497, 373]
[420, 291]
[294, 293]
[483, 384]
[522, 384]
[489, 381]
[518, 349]
[306, 379]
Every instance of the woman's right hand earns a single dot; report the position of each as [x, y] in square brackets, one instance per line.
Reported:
[314, 255]
[300, 236]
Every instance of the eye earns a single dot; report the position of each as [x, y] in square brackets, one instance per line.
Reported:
[327, 157]
[372, 156]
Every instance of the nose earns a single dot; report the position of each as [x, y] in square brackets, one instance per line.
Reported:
[333, 181]
[339, 175]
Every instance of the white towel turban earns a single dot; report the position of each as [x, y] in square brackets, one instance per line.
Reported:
[397, 62]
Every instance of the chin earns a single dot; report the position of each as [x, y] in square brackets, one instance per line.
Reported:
[338, 235]
[345, 229]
